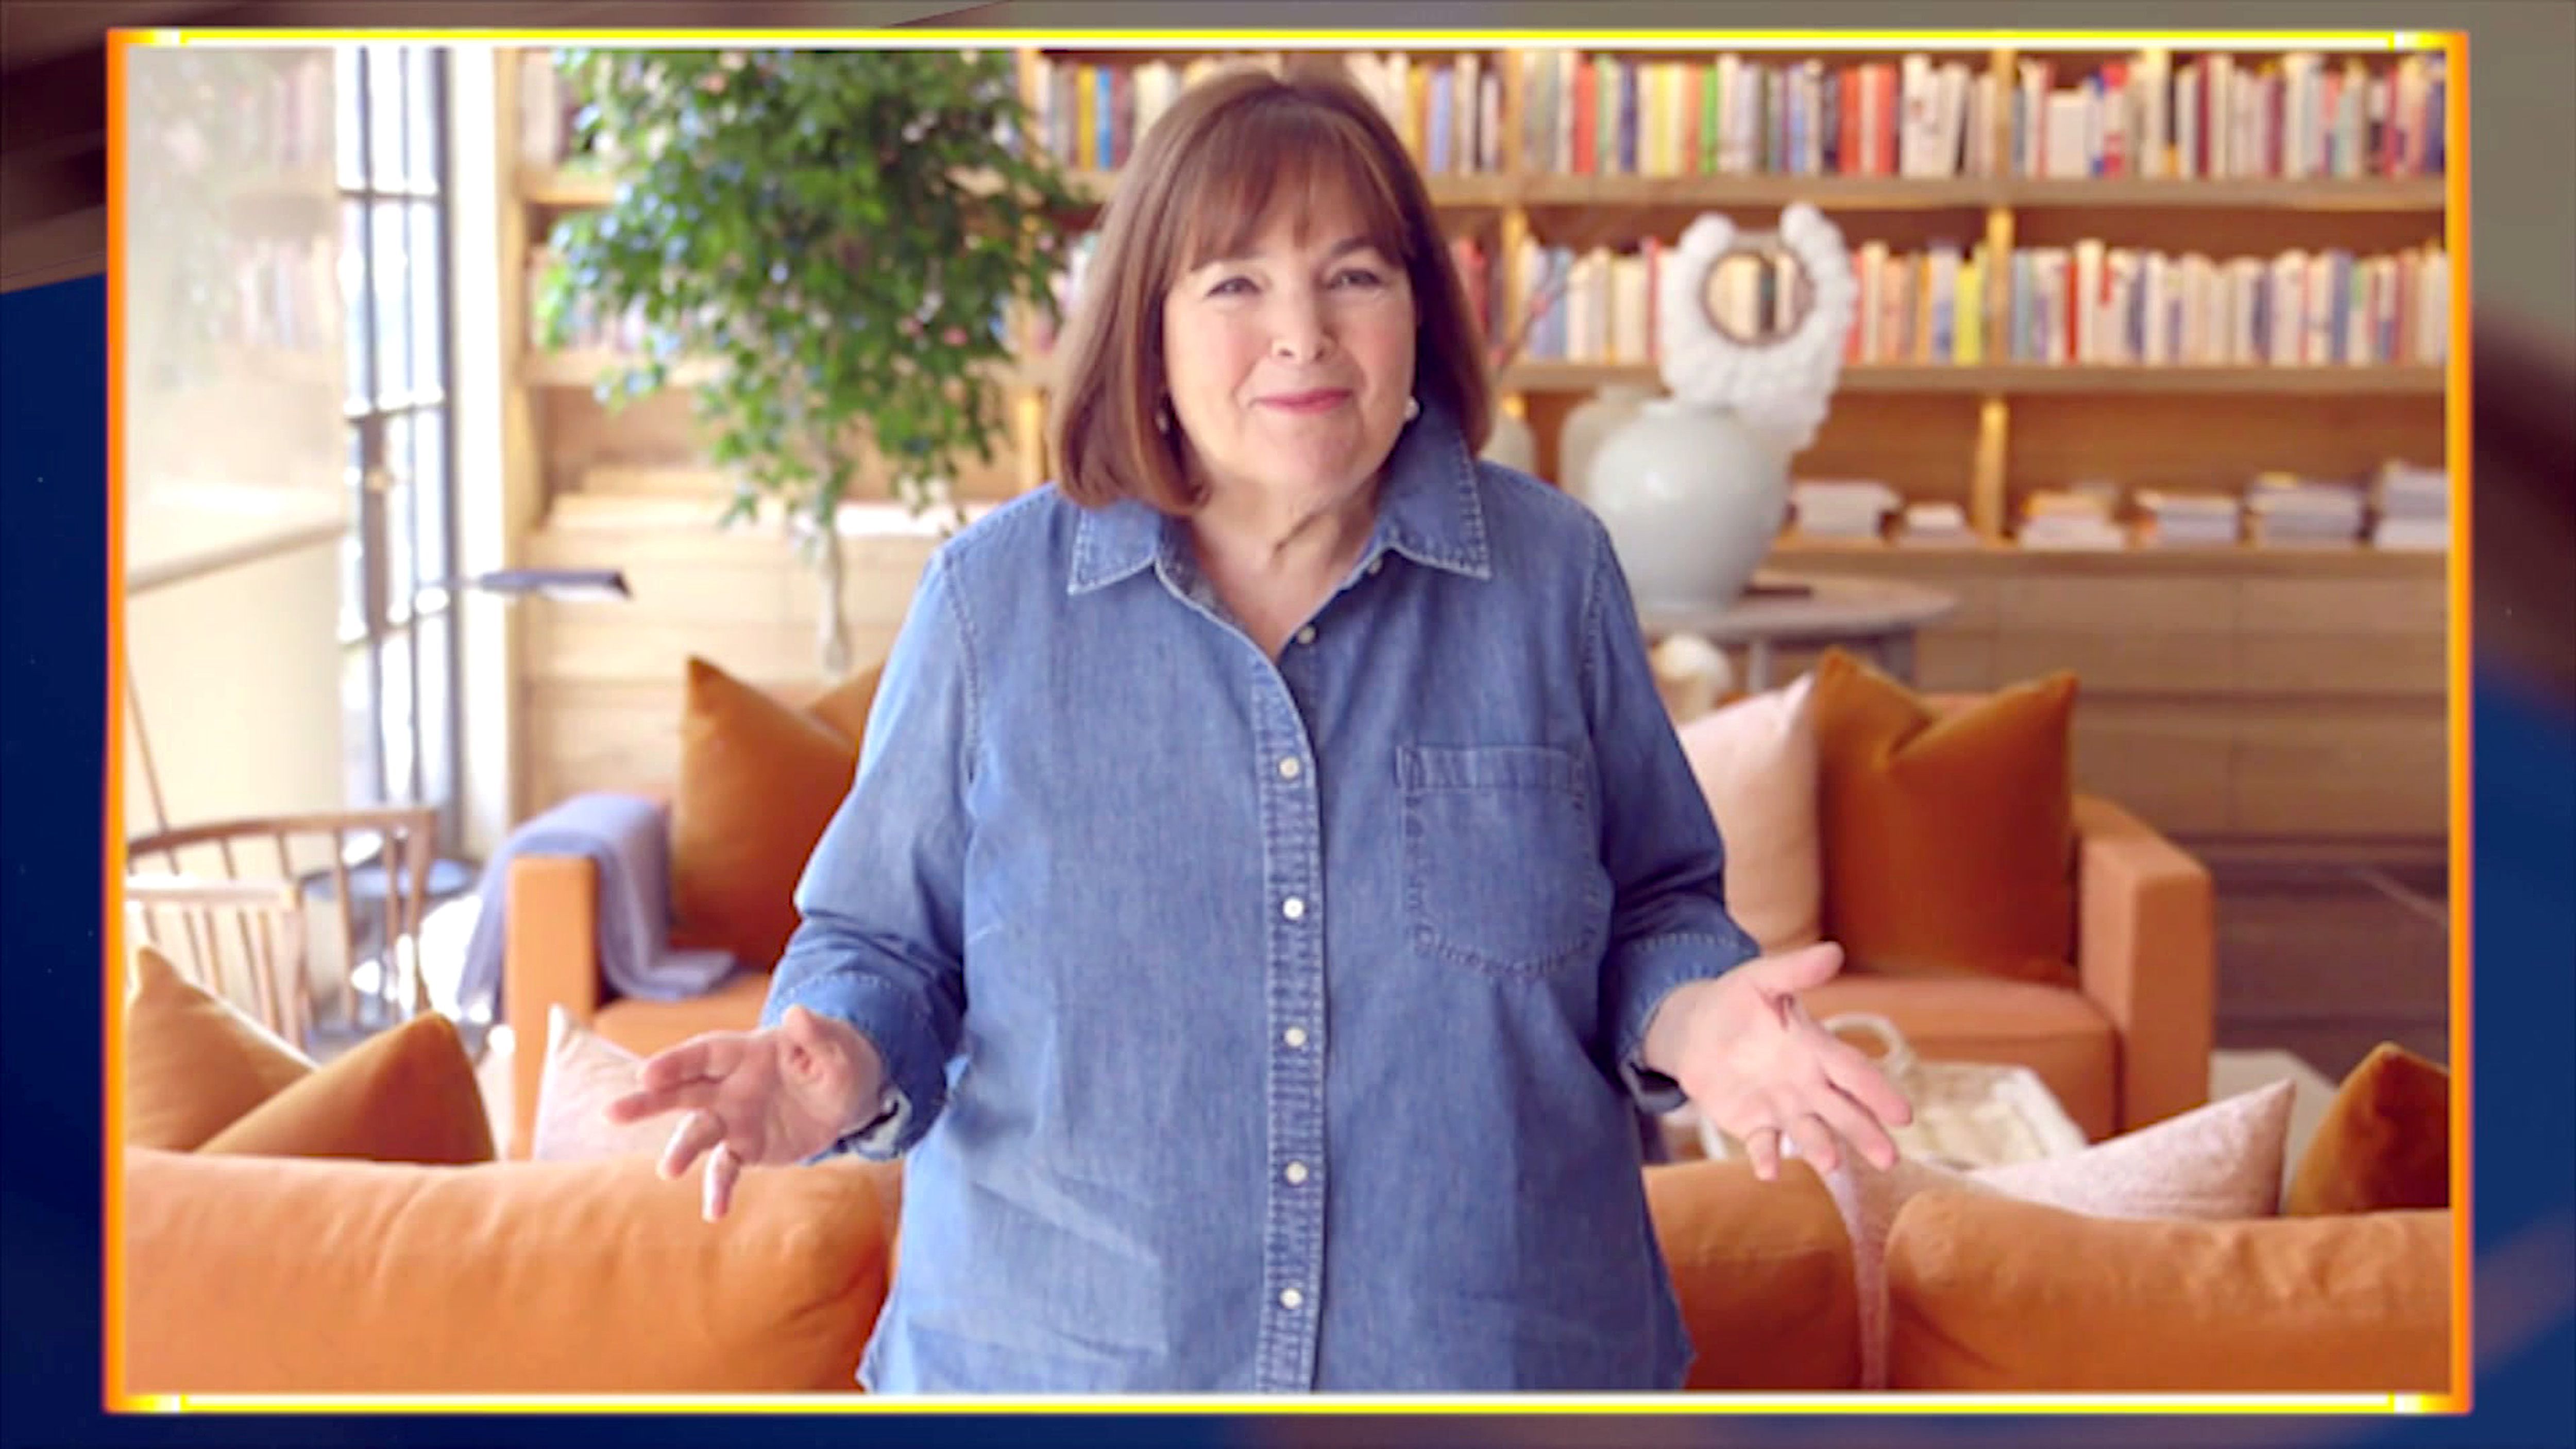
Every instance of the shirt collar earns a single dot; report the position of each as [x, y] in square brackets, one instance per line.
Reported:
[1428, 510]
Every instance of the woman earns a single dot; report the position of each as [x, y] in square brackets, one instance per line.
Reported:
[1271, 883]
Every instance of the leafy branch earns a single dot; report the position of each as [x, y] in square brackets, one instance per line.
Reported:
[842, 234]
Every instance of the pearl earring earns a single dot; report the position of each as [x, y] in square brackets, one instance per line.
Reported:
[1162, 417]
[1412, 409]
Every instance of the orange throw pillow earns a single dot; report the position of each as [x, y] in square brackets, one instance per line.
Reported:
[758, 782]
[1763, 1273]
[1990, 1295]
[193, 1062]
[2384, 1143]
[844, 707]
[403, 1095]
[300, 1276]
[1948, 837]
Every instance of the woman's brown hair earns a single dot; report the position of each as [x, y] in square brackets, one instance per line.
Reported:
[1202, 183]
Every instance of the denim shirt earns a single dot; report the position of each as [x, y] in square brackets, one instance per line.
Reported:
[1263, 1026]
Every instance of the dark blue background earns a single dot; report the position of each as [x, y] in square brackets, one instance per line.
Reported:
[53, 599]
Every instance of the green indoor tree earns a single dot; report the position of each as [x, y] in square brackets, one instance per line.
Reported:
[838, 236]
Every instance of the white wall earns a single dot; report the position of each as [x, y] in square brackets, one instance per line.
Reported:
[237, 673]
[234, 456]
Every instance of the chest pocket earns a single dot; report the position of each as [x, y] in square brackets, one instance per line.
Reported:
[1502, 862]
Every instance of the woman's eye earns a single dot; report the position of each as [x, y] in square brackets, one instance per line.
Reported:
[1361, 277]
[1230, 287]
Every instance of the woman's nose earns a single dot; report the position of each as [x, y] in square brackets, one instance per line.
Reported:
[1298, 332]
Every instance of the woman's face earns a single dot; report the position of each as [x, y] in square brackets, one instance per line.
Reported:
[1289, 367]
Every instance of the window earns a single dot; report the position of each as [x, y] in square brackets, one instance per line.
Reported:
[397, 621]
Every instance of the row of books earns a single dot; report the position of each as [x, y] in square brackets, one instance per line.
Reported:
[2297, 116]
[2089, 303]
[1681, 115]
[2403, 507]
[2092, 303]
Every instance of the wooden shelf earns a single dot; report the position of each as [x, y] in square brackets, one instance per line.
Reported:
[2427, 194]
[539, 186]
[2032, 379]
[2229, 691]
[586, 367]
[545, 186]
[2007, 559]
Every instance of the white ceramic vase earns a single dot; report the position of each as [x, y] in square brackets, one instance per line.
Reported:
[1513, 444]
[1693, 498]
[1592, 420]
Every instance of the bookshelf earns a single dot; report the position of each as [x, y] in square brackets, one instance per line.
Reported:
[2232, 692]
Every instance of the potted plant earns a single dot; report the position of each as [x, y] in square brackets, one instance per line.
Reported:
[837, 238]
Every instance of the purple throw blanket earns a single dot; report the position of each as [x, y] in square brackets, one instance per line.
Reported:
[628, 838]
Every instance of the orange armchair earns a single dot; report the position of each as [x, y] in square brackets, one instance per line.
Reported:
[2129, 1043]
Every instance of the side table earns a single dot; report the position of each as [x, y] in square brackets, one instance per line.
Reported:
[1877, 615]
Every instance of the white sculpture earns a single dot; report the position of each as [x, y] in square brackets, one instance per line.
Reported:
[1779, 382]
[1751, 332]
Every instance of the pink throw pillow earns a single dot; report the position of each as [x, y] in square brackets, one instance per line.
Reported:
[584, 1073]
[1755, 760]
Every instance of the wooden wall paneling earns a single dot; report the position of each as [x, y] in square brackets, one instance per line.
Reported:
[2356, 769]
[586, 437]
[2376, 665]
[2307, 606]
[2169, 761]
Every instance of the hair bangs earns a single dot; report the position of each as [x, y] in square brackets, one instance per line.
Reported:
[1278, 158]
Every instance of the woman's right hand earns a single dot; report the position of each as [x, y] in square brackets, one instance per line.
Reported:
[776, 1095]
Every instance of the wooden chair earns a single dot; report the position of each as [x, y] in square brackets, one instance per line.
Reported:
[248, 900]
[242, 940]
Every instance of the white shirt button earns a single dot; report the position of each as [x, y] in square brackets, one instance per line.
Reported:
[1295, 1172]
[1290, 769]
[1295, 1036]
[1306, 635]
[1294, 908]
[1291, 1298]
[1377, 563]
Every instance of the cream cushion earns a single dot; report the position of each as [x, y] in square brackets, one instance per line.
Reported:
[2221, 1162]
[1755, 760]
[585, 1072]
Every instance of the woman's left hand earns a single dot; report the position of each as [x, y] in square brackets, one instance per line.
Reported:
[1757, 1066]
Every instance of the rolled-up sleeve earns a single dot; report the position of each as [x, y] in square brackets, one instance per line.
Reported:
[879, 943]
[1669, 924]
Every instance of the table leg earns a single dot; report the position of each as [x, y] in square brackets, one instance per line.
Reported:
[1757, 666]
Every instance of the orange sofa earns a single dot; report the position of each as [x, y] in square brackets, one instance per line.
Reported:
[2127, 1046]
[287, 1227]
[596, 1277]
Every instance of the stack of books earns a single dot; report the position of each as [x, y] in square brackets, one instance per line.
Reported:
[2189, 520]
[2288, 511]
[2085, 516]
[1842, 512]
[2414, 507]
[1936, 525]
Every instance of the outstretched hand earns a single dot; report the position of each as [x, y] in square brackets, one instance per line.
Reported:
[776, 1095]
[1760, 1069]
